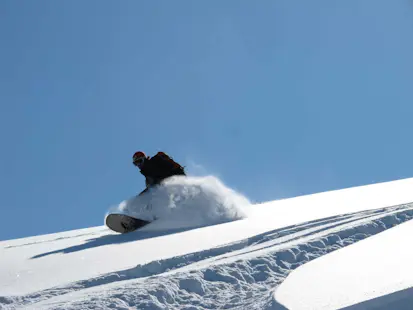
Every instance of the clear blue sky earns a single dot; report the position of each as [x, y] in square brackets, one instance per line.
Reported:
[277, 98]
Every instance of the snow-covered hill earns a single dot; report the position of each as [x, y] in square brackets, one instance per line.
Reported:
[324, 251]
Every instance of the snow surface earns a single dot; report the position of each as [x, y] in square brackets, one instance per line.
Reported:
[376, 267]
[321, 251]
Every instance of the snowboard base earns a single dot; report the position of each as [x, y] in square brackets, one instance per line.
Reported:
[122, 223]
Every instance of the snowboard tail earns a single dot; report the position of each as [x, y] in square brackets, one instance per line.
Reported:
[122, 223]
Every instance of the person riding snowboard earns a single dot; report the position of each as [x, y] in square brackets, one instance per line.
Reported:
[157, 168]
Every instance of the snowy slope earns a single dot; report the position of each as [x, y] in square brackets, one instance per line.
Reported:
[236, 263]
[374, 273]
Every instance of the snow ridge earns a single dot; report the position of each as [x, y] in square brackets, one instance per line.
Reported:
[238, 275]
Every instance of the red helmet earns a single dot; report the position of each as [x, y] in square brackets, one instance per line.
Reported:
[138, 158]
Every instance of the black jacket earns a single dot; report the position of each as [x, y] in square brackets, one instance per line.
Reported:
[160, 167]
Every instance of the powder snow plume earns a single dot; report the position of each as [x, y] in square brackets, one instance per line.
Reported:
[182, 202]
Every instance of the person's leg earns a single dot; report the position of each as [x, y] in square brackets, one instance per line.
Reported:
[144, 191]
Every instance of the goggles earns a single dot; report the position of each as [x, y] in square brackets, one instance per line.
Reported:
[138, 161]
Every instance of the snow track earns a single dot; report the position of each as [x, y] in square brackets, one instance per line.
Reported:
[238, 275]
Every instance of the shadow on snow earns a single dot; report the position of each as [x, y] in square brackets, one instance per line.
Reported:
[115, 239]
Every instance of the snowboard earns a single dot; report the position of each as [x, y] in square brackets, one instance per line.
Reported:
[123, 224]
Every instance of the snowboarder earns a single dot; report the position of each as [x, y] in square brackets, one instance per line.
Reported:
[157, 168]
